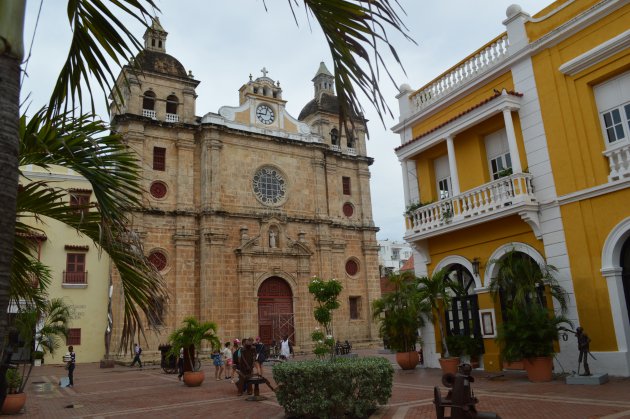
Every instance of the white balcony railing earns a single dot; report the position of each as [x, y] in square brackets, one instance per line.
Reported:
[486, 57]
[148, 113]
[335, 147]
[619, 162]
[172, 117]
[352, 151]
[492, 198]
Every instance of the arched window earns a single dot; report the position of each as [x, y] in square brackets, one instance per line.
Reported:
[171, 104]
[350, 141]
[334, 136]
[148, 101]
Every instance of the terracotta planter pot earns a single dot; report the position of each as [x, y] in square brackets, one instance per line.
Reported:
[449, 365]
[13, 403]
[539, 369]
[514, 365]
[407, 360]
[194, 378]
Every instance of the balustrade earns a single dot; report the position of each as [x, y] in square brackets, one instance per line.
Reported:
[491, 197]
[148, 113]
[619, 162]
[172, 117]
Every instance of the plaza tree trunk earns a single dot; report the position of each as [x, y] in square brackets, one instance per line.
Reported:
[11, 53]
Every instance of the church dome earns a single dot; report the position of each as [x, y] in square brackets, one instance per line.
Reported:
[326, 103]
[160, 62]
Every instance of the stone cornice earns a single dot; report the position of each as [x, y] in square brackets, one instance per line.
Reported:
[604, 50]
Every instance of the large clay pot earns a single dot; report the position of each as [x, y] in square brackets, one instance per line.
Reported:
[539, 369]
[194, 378]
[13, 403]
[407, 360]
[449, 365]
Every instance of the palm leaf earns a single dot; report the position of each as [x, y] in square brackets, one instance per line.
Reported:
[98, 36]
[354, 29]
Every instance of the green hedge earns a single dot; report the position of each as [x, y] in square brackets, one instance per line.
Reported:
[330, 389]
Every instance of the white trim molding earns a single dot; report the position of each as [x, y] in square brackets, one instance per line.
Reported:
[491, 266]
[612, 271]
[601, 52]
[457, 259]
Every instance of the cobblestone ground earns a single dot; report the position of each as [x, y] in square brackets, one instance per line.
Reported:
[149, 393]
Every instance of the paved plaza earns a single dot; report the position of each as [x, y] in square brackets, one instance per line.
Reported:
[124, 392]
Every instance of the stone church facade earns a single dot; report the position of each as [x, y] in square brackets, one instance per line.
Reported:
[244, 206]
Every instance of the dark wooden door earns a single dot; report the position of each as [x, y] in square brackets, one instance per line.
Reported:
[275, 310]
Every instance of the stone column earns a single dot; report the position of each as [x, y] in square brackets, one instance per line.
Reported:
[185, 171]
[365, 196]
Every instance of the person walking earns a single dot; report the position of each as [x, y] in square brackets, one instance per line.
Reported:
[137, 350]
[217, 361]
[180, 364]
[261, 355]
[71, 364]
[227, 357]
[286, 349]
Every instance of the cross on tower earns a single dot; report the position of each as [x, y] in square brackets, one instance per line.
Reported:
[264, 71]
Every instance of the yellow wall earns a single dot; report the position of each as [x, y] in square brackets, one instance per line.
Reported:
[587, 224]
[535, 30]
[576, 143]
[89, 304]
[570, 116]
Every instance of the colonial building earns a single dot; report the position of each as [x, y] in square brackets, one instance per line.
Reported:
[79, 270]
[244, 206]
[524, 145]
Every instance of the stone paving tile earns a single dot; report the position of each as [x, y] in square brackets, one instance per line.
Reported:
[123, 392]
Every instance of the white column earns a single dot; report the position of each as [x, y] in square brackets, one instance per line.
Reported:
[452, 164]
[511, 137]
[403, 165]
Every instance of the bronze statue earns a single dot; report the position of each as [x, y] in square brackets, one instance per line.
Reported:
[583, 347]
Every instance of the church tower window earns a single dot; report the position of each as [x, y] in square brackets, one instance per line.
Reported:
[345, 182]
[269, 186]
[171, 109]
[348, 209]
[159, 158]
[148, 104]
[334, 136]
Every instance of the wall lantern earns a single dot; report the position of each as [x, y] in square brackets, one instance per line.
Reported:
[476, 263]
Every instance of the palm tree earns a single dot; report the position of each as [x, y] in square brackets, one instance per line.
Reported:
[435, 291]
[519, 279]
[190, 337]
[98, 36]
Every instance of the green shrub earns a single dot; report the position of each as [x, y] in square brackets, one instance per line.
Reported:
[330, 389]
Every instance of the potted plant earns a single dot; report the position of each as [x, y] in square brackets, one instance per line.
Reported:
[38, 358]
[190, 336]
[15, 398]
[400, 314]
[436, 291]
[530, 328]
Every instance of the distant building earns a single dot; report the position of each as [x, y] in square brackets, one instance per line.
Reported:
[392, 255]
[524, 146]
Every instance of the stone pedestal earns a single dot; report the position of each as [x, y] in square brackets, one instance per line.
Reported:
[592, 380]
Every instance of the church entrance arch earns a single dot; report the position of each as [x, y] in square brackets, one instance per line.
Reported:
[275, 310]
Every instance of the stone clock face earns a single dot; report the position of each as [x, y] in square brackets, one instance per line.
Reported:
[265, 114]
[269, 186]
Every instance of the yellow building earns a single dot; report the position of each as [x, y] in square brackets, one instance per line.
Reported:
[525, 145]
[80, 273]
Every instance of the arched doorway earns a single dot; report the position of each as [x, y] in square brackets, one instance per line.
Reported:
[625, 272]
[275, 310]
[463, 316]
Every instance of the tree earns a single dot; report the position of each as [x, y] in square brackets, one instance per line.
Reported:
[435, 291]
[100, 37]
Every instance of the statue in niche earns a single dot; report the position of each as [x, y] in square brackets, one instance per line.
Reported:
[272, 239]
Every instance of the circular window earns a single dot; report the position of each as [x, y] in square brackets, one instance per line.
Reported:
[158, 189]
[269, 186]
[348, 209]
[158, 259]
[352, 267]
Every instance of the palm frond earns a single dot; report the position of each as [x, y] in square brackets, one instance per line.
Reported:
[354, 30]
[98, 36]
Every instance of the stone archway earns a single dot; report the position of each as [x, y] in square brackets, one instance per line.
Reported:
[275, 310]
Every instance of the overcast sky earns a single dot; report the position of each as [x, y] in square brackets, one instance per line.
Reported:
[222, 42]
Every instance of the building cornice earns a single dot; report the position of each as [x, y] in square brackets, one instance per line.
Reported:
[601, 52]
